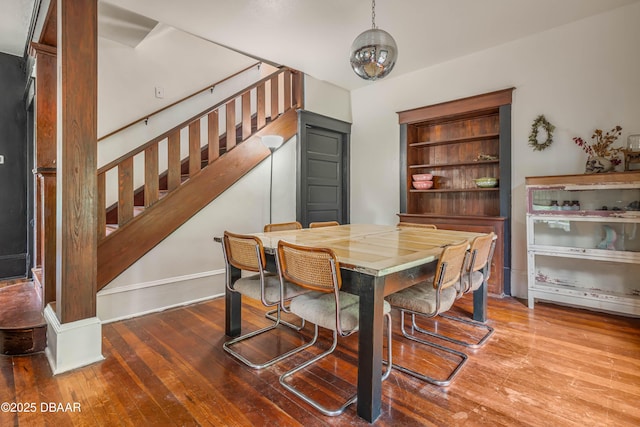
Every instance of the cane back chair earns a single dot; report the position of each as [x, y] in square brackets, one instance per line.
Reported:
[245, 252]
[430, 298]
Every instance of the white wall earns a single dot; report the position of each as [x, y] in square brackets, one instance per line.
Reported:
[581, 76]
[169, 58]
[329, 100]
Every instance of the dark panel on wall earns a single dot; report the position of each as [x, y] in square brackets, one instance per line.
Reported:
[14, 170]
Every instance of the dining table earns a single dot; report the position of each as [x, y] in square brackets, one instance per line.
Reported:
[375, 261]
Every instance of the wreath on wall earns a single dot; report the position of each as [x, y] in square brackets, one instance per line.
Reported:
[541, 122]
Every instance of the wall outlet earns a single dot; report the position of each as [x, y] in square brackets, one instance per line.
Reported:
[159, 92]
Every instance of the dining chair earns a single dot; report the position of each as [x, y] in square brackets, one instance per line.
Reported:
[430, 298]
[323, 224]
[414, 224]
[318, 270]
[475, 274]
[282, 226]
[246, 253]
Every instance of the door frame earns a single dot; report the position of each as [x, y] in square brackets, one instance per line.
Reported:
[309, 120]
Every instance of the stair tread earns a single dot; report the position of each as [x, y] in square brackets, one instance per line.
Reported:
[110, 228]
[21, 307]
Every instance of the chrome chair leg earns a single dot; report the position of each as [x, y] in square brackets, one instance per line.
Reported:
[228, 344]
[350, 400]
[389, 361]
[474, 323]
[319, 407]
[270, 315]
[439, 382]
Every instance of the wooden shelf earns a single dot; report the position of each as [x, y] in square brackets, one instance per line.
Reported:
[469, 138]
[608, 301]
[447, 141]
[587, 215]
[454, 190]
[455, 165]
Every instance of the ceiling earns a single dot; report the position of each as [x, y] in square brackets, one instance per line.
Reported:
[15, 22]
[315, 36]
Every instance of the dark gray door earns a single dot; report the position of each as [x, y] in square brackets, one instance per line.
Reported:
[324, 176]
[15, 170]
[323, 169]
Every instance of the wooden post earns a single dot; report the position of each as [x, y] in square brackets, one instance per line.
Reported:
[45, 167]
[297, 88]
[47, 201]
[77, 160]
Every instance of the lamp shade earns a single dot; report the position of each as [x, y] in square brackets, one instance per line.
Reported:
[272, 141]
[373, 54]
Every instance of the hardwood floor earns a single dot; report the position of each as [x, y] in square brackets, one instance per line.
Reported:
[552, 366]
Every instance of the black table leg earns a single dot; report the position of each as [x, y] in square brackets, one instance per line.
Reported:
[233, 307]
[371, 292]
[480, 302]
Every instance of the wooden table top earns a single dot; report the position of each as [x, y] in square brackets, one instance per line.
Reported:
[377, 250]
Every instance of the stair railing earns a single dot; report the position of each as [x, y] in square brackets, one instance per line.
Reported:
[209, 87]
[227, 123]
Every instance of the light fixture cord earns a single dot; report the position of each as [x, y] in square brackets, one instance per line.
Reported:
[373, 14]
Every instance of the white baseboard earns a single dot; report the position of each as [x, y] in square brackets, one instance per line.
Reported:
[74, 344]
[124, 302]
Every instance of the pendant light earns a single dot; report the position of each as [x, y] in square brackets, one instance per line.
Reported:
[373, 52]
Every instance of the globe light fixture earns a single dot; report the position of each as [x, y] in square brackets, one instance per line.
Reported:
[374, 52]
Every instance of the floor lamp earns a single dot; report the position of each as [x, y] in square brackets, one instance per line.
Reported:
[272, 142]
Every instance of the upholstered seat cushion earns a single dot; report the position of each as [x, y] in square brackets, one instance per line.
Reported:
[250, 286]
[421, 298]
[320, 308]
[476, 280]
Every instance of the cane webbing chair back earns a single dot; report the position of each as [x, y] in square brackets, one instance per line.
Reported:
[413, 224]
[283, 226]
[450, 265]
[241, 251]
[480, 251]
[312, 268]
[323, 224]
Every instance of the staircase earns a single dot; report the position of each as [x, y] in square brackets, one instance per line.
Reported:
[151, 203]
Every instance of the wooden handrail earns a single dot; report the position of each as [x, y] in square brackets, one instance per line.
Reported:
[185, 123]
[208, 87]
[178, 171]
